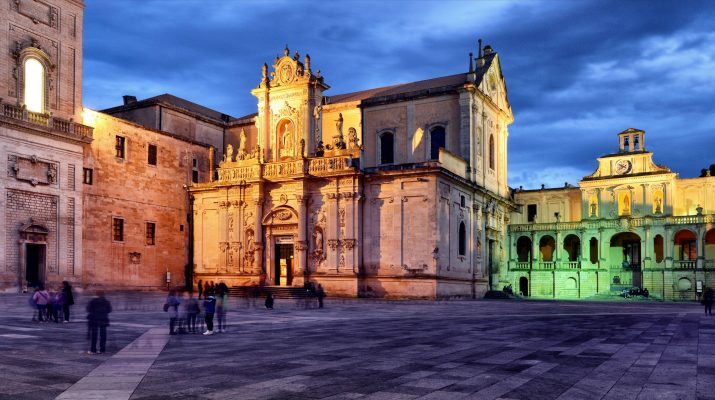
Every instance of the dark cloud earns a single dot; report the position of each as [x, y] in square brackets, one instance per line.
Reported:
[577, 72]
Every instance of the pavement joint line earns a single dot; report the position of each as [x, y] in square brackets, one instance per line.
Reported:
[101, 381]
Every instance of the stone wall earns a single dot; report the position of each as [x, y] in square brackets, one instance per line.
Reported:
[138, 193]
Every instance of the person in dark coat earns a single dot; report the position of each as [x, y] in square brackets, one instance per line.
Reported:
[172, 307]
[201, 289]
[708, 299]
[320, 293]
[98, 310]
[269, 301]
[69, 300]
[209, 310]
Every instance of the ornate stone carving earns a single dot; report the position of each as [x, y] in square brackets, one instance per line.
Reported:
[353, 142]
[135, 257]
[341, 216]
[301, 245]
[349, 244]
[229, 153]
[333, 244]
[32, 170]
[283, 215]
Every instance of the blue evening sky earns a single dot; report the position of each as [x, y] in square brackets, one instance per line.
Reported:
[578, 72]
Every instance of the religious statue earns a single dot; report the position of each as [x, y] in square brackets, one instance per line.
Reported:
[264, 73]
[626, 205]
[658, 204]
[229, 153]
[339, 123]
[286, 141]
[242, 144]
[319, 149]
[318, 241]
[353, 138]
[593, 209]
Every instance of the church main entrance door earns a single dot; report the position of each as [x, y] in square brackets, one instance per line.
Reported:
[34, 264]
[283, 269]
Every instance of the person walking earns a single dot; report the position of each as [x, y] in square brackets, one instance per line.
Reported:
[172, 307]
[68, 300]
[57, 305]
[209, 310]
[708, 299]
[320, 292]
[41, 298]
[201, 288]
[98, 310]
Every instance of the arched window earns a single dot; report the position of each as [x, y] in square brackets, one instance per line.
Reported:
[34, 89]
[387, 148]
[462, 239]
[437, 140]
[491, 151]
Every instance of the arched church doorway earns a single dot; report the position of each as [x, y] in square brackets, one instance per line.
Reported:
[281, 232]
[625, 259]
[283, 266]
[524, 286]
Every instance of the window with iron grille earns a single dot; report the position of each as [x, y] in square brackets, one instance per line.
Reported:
[120, 147]
[150, 233]
[118, 229]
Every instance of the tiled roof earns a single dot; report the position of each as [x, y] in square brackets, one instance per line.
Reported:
[170, 99]
[451, 81]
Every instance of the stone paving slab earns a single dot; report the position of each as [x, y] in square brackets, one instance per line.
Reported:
[408, 350]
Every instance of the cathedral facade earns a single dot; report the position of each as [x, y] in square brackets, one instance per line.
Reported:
[397, 191]
[632, 223]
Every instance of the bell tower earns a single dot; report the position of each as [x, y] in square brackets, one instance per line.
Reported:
[631, 140]
[287, 128]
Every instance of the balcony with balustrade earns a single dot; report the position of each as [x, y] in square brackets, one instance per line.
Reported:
[44, 123]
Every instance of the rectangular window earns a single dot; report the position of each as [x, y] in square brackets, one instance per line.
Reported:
[195, 171]
[689, 251]
[531, 212]
[87, 177]
[118, 229]
[151, 155]
[150, 233]
[119, 147]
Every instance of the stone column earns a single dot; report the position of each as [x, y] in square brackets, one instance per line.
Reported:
[700, 244]
[557, 247]
[669, 247]
[258, 235]
[301, 245]
[645, 255]
[332, 232]
[535, 251]
[350, 239]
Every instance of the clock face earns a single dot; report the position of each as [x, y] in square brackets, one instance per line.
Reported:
[623, 167]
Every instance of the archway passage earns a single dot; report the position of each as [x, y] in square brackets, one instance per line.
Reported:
[710, 249]
[593, 250]
[523, 249]
[625, 258]
[686, 248]
[658, 248]
[572, 245]
[283, 275]
[547, 244]
[524, 286]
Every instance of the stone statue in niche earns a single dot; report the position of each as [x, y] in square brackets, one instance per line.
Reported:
[339, 124]
[228, 157]
[318, 242]
[658, 205]
[626, 205]
[593, 209]
[286, 135]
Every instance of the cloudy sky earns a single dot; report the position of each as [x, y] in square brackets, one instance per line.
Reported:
[578, 72]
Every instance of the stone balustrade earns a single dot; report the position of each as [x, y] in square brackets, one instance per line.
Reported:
[237, 174]
[615, 223]
[329, 165]
[57, 126]
[284, 169]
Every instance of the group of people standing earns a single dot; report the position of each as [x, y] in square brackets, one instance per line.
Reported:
[52, 305]
[185, 311]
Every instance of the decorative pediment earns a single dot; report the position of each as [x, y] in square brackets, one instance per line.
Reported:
[283, 215]
[34, 232]
[32, 170]
[289, 70]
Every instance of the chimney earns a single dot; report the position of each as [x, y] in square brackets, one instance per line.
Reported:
[129, 99]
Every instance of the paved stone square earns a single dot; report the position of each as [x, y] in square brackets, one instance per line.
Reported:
[372, 350]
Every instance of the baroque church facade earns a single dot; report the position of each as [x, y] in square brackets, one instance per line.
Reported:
[397, 191]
